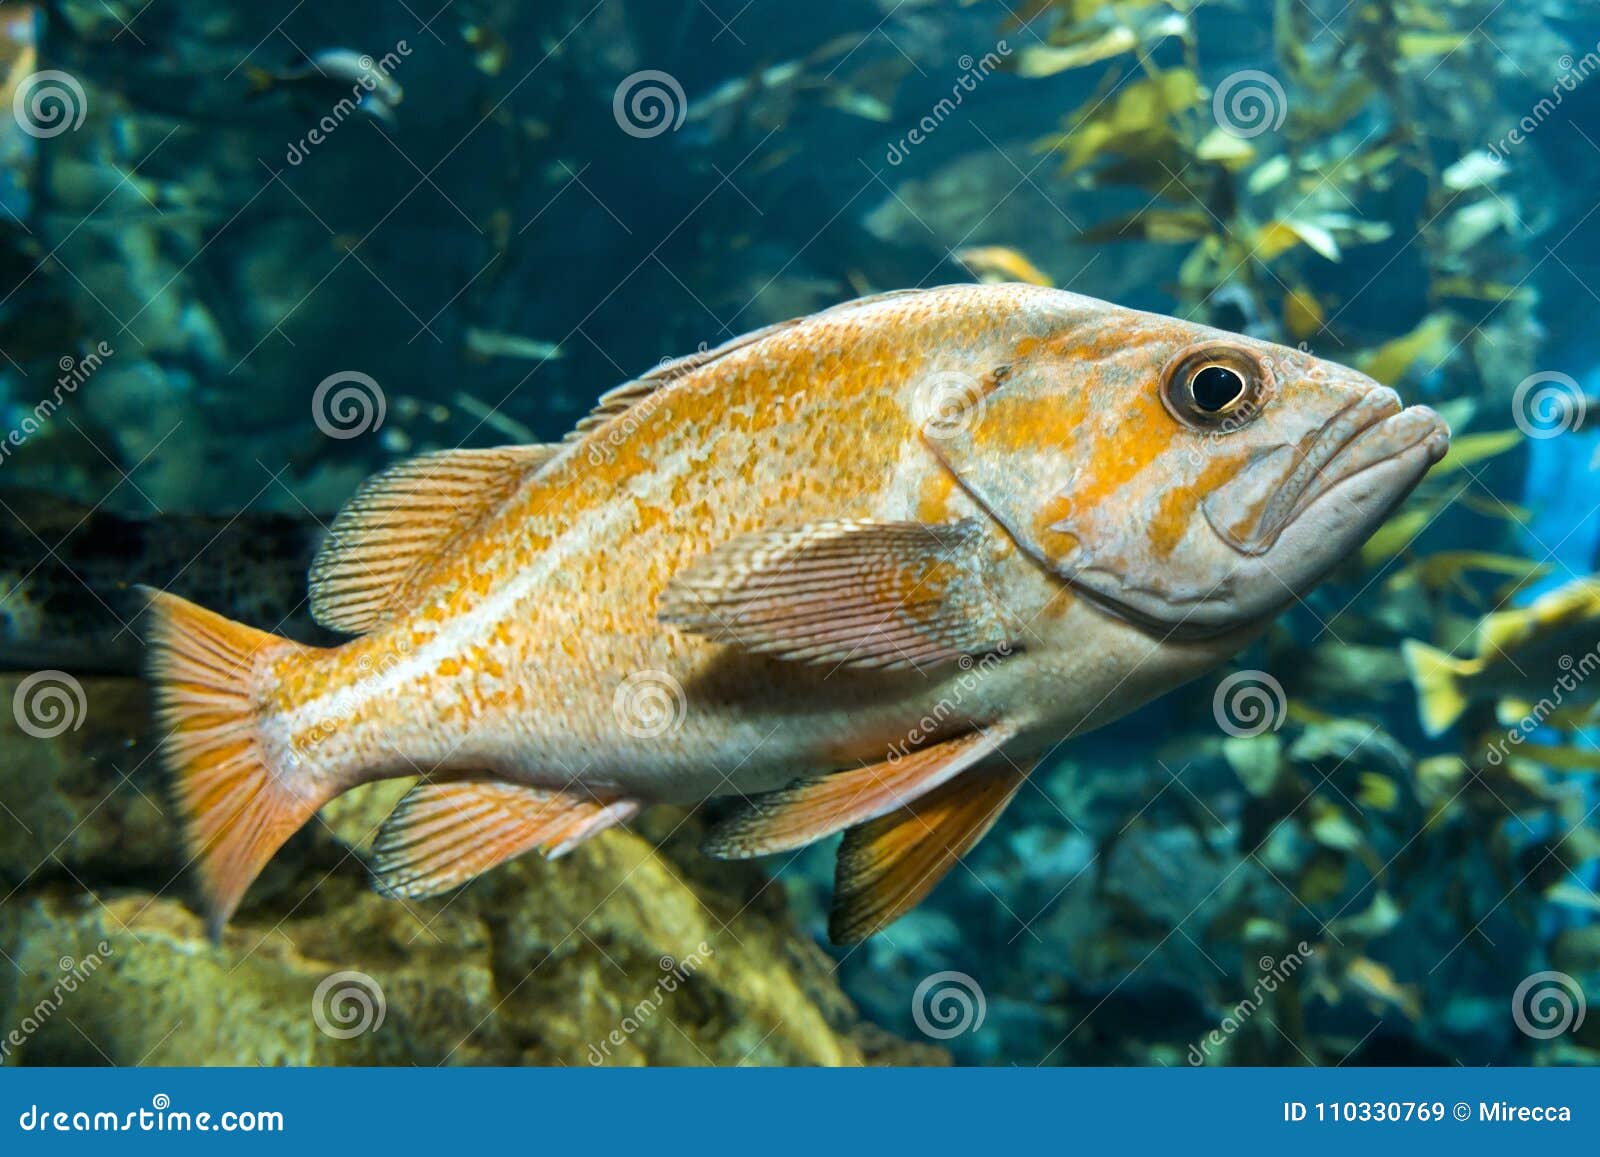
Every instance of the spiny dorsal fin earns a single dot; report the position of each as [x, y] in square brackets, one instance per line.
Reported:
[402, 520]
[814, 808]
[630, 393]
[887, 866]
[888, 595]
[443, 834]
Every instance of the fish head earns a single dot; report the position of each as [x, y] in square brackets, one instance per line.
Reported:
[1183, 478]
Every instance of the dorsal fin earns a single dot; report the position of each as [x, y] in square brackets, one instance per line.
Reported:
[404, 519]
[634, 391]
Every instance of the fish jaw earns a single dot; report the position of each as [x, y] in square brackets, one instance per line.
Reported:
[1288, 520]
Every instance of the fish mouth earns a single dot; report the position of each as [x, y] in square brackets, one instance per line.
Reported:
[1275, 491]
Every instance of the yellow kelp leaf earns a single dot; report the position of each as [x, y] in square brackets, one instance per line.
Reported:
[1496, 508]
[1269, 174]
[1394, 536]
[1001, 263]
[1302, 314]
[1470, 449]
[1226, 149]
[1162, 225]
[1048, 59]
[1413, 45]
[1138, 120]
[1393, 359]
[1439, 570]
[1375, 791]
[1474, 289]
[1278, 237]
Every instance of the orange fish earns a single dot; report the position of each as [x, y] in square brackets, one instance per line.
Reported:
[862, 569]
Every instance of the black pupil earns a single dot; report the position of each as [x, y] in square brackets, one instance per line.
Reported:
[1216, 388]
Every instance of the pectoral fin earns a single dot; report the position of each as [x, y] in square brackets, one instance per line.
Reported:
[887, 866]
[888, 595]
[813, 808]
[443, 834]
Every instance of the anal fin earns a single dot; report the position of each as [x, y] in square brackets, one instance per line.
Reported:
[814, 808]
[887, 866]
[443, 834]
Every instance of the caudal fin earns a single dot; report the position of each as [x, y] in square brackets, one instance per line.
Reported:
[237, 807]
[1437, 679]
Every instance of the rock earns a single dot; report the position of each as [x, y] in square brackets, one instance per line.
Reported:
[631, 950]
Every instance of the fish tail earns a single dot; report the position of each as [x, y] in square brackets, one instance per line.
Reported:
[238, 802]
[1437, 678]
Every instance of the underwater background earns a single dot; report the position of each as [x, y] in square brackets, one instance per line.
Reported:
[251, 253]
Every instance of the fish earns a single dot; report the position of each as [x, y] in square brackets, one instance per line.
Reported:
[66, 583]
[332, 74]
[1533, 662]
[856, 572]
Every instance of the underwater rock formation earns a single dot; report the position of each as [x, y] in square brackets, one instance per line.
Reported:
[632, 950]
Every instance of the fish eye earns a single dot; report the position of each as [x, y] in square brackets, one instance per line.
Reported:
[1214, 385]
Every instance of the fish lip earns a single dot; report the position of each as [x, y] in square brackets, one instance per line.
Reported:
[1373, 429]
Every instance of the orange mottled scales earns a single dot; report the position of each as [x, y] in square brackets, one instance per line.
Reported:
[859, 571]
